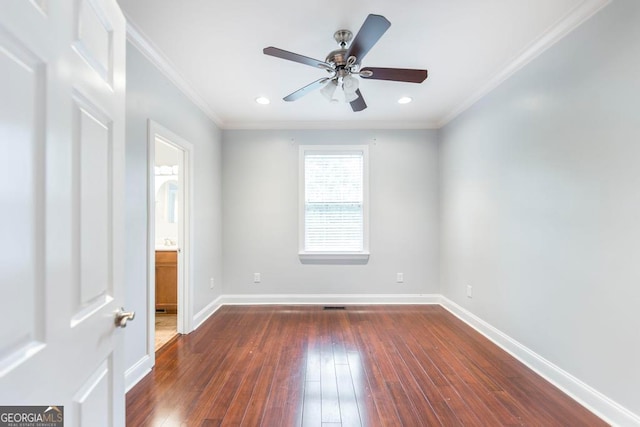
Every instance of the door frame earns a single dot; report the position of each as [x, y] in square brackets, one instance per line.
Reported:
[185, 288]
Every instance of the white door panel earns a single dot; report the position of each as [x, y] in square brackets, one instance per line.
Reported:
[62, 69]
[21, 191]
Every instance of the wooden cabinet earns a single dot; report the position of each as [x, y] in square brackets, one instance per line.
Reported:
[167, 281]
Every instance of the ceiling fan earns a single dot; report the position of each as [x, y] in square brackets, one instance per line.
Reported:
[344, 63]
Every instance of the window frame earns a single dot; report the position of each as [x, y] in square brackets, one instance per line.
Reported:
[333, 257]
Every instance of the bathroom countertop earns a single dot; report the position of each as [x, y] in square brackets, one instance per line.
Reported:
[166, 248]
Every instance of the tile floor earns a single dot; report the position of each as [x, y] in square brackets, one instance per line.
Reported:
[166, 328]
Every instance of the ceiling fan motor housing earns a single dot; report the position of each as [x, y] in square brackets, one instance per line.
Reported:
[337, 57]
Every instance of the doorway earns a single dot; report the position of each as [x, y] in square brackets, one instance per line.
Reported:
[169, 219]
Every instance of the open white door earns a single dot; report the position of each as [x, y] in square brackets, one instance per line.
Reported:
[62, 89]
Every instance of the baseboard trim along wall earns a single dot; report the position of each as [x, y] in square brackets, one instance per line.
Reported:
[206, 312]
[590, 398]
[137, 372]
[596, 402]
[287, 299]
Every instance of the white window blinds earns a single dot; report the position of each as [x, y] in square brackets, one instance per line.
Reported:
[334, 199]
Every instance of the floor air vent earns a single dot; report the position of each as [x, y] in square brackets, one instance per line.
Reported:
[334, 307]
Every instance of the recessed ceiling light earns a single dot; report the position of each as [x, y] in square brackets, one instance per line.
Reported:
[404, 100]
[262, 100]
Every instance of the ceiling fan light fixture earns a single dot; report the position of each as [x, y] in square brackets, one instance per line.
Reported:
[350, 96]
[262, 100]
[329, 89]
[405, 100]
[350, 86]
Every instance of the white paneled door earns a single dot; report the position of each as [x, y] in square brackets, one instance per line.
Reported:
[62, 91]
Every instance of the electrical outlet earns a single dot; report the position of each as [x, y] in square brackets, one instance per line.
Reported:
[400, 277]
[256, 278]
[211, 283]
[469, 291]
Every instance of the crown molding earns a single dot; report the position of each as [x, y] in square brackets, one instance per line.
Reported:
[573, 19]
[141, 42]
[332, 125]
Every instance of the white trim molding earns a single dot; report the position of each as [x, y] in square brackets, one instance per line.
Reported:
[206, 312]
[166, 67]
[331, 124]
[574, 18]
[137, 372]
[320, 299]
[593, 400]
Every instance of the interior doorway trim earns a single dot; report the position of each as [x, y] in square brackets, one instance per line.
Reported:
[185, 181]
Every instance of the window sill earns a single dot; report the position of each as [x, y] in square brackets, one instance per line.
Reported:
[334, 258]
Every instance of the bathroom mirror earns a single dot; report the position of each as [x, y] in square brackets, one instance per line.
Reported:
[167, 198]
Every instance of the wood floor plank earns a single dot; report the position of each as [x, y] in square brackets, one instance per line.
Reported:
[284, 406]
[500, 376]
[229, 372]
[262, 389]
[377, 343]
[365, 365]
[478, 398]
[238, 406]
[362, 390]
[349, 413]
[312, 404]
[386, 410]
[409, 349]
[328, 383]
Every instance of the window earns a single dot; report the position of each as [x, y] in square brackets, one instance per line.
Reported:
[333, 203]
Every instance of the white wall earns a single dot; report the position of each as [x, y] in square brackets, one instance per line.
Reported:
[260, 212]
[151, 96]
[541, 205]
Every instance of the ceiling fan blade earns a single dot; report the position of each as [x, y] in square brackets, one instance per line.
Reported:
[305, 90]
[358, 104]
[372, 29]
[395, 74]
[279, 53]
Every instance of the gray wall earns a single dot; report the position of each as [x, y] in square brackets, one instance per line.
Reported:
[151, 96]
[530, 197]
[260, 212]
[541, 207]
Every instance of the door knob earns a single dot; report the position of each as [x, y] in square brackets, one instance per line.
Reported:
[122, 317]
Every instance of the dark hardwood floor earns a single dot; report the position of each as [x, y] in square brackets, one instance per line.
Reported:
[366, 365]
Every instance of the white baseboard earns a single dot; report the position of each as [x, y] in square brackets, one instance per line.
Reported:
[206, 312]
[596, 402]
[352, 299]
[138, 371]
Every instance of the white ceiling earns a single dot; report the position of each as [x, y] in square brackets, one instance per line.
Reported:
[213, 50]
